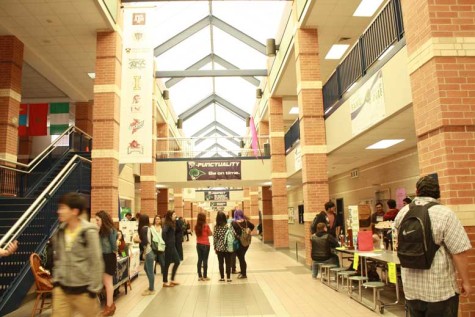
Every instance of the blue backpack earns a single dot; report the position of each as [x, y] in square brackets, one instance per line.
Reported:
[230, 239]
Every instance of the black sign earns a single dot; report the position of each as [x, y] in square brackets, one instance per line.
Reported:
[218, 204]
[213, 170]
[216, 195]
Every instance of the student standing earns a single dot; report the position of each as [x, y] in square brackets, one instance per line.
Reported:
[157, 235]
[145, 240]
[171, 254]
[108, 238]
[220, 247]
[239, 224]
[203, 232]
[78, 264]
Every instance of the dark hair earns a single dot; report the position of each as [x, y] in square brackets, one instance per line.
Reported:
[121, 235]
[200, 222]
[155, 218]
[73, 201]
[169, 221]
[407, 200]
[379, 204]
[144, 221]
[128, 214]
[107, 223]
[329, 205]
[427, 186]
[221, 218]
[391, 203]
[321, 226]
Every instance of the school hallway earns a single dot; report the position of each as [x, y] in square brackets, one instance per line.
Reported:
[277, 285]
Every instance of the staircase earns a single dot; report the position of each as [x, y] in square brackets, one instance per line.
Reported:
[35, 215]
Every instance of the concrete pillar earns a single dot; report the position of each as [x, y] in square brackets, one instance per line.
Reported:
[254, 205]
[148, 197]
[187, 210]
[246, 203]
[439, 43]
[105, 118]
[162, 201]
[312, 127]
[84, 116]
[278, 174]
[178, 201]
[267, 225]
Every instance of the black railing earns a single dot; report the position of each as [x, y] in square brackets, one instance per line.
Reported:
[383, 32]
[292, 135]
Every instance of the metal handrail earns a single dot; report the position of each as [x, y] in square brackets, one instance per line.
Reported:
[22, 222]
[40, 157]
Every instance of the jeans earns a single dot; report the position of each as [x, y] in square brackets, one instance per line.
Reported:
[148, 267]
[224, 257]
[241, 253]
[203, 253]
[332, 260]
[160, 260]
[446, 308]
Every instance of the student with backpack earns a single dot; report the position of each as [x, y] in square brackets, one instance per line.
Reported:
[78, 264]
[243, 228]
[432, 244]
[223, 241]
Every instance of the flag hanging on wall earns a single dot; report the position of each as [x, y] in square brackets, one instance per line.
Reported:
[254, 142]
[37, 119]
[23, 120]
[59, 118]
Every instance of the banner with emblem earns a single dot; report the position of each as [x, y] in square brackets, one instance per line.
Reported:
[136, 109]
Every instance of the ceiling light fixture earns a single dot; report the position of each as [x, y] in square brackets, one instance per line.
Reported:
[337, 51]
[384, 144]
[92, 75]
[294, 110]
[367, 8]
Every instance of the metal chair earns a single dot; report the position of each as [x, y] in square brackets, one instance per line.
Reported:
[377, 288]
[44, 287]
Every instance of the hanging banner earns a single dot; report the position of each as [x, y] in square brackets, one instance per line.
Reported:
[218, 204]
[213, 170]
[367, 104]
[216, 195]
[136, 111]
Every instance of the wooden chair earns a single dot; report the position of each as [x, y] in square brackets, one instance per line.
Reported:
[43, 284]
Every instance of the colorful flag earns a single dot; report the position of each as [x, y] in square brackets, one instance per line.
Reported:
[254, 143]
[23, 120]
[37, 119]
[59, 118]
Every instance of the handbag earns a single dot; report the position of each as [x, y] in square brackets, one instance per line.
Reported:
[245, 237]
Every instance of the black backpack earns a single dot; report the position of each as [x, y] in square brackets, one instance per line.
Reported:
[416, 247]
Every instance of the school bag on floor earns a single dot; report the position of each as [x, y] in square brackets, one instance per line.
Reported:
[416, 246]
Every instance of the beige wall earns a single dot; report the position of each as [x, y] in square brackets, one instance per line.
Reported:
[295, 198]
[127, 185]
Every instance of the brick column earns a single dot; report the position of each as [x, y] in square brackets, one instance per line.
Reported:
[312, 127]
[246, 202]
[267, 225]
[25, 144]
[105, 118]
[187, 211]
[278, 174]
[162, 201]
[178, 201]
[11, 63]
[84, 116]
[254, 205]
[148, 195]
[440, 41]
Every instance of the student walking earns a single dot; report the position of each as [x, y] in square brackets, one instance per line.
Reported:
[203, 232]
[171, 254]
[78, 264]
[145, 241]
[108, 238]
[220, 245]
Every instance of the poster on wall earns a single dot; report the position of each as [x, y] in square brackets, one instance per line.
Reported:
[213, 170]
[136, 111]
[291, 215]
[367, 105]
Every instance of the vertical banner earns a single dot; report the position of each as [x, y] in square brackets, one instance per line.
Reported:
[367, 104]
[38, 119]
[136, 110]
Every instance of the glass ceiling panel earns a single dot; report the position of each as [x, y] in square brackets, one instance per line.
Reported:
[236, 52]
[231, 121]
[189, 92]
[199, 121]
[218, 139]
[258, 19]
[237, 91]
[186, 53]
[175, 16]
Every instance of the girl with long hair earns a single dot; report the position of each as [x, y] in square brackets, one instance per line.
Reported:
[108, 238]
[145, 241]
[121, 242]
[203, 232]
[240, 224]
[171, 254]
[157, 234]
[219, 241]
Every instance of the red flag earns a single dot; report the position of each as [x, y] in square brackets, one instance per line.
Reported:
[254, 143]
[37, 119]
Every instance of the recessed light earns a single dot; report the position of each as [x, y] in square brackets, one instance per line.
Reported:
[367, 8]
[92, 75]
[294, 110]
[337, 51]
[384, 144]
[386, 52]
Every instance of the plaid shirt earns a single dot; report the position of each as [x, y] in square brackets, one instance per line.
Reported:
[439, 282]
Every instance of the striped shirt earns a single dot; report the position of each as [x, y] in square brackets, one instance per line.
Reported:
[439, 282]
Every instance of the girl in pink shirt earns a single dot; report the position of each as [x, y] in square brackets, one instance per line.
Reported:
[203, 232]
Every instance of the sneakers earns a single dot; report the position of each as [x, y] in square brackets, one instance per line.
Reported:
[234, 272]
[168, 285]
[221, 279]
[200, 279]
[229, 280]
[147, 292]
[240, 276]
[205, 278]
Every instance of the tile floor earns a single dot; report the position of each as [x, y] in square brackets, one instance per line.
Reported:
[277, 285]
